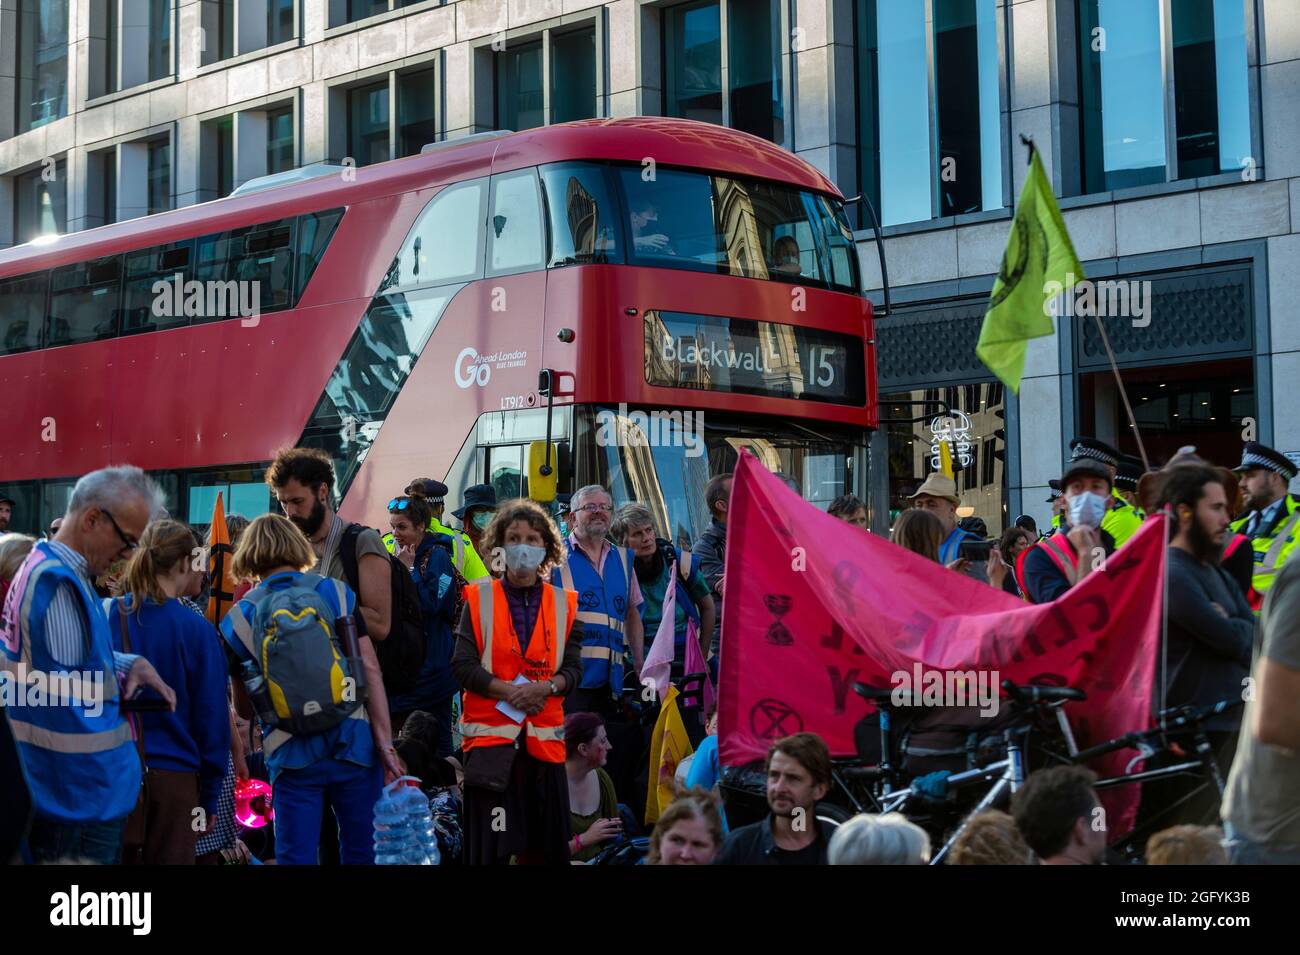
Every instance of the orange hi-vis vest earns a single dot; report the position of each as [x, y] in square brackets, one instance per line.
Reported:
[481, 723]
[1062, 553]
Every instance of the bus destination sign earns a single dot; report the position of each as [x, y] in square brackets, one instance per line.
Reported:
[744, 356]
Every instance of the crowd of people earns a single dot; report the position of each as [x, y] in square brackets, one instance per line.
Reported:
[490, 664]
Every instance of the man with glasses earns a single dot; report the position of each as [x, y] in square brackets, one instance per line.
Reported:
[608, 602]
[80, 761]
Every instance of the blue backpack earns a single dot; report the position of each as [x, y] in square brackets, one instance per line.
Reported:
[291, 639]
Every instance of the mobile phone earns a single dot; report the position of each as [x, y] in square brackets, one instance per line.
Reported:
[974, 551]
[152, 704]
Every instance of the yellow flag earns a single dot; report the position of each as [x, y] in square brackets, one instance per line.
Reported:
[945, 459]
[669, 745]
[1039, 263]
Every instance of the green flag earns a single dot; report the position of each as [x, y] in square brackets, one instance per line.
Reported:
[1038, 264]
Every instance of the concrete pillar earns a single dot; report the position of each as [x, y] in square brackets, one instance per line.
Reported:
[133, 59]
[250, 146]
[132, 180]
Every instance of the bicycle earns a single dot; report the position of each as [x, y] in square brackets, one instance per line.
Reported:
[1185, 720]
[925, 800]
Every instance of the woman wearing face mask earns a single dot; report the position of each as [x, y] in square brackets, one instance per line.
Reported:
[518, 652]
[428, 557]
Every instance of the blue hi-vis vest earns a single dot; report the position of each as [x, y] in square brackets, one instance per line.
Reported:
[602, 608]
[949, 548]
[81, 768]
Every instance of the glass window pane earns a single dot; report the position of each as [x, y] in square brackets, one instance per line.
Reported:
[107, 163]
[583, 214]
[42, 78]
[143, 309]
[23, 313]
[223, 138]
[279, 21]
[446, 243]
[160, 176]
[41, 203]
[755, 229]
[109, 79]
[573, 84]
[416, 111]
[226, 26]
[279, 140]
[381, 354]
[262, 253]
[968, 109]
[314, 233]
[368, 123]
[1212, 112]
[505, 471]
[160, 39]
[517, 236]
[903, 121]
[754, 64]
[519, 87]
[693, 61]
[84, 302]
[360, 9]
[1123, 95]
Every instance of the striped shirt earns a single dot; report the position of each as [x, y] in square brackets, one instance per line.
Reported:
[66, 627]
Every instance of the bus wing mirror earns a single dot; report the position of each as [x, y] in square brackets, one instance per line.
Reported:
[543, 476]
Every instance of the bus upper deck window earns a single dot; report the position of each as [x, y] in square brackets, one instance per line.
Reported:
[515, 223]
[446, 243]
[584, 216]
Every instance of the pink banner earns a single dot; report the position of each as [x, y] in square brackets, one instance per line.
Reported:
[816, 604]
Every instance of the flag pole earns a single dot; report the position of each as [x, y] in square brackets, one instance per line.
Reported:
[1110, 352]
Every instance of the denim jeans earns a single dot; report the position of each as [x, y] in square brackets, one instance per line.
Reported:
[97, 842]
[1241, 852]
[299, 802]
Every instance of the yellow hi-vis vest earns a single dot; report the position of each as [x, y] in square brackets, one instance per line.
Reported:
[1273, 549]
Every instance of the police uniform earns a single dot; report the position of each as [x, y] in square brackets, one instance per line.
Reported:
[1055, 487]
[463, 555]
[1273, 532]
[1122, 519]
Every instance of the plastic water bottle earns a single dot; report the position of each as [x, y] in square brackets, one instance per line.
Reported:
[420, 819]
[397, 840]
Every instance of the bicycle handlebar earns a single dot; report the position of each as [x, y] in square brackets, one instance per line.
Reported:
[1178, 717]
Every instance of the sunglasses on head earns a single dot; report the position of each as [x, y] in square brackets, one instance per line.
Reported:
[399, 503]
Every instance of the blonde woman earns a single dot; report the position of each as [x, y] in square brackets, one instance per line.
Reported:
[185, 751]
[14, 549]
[344, 765]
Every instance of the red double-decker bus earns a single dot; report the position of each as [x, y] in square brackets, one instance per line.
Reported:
[692, 291]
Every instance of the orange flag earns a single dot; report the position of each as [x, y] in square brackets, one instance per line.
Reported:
[219, 560]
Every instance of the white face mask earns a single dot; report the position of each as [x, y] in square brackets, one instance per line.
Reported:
[1086, 509]
[524, 557]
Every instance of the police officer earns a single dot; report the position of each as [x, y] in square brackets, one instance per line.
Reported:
[1127, 475]
[1122, 519]
[464, 557]
[1273, 519]
[1057, 499]
[477, 505]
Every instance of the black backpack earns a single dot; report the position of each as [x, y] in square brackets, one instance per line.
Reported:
[401, 655]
